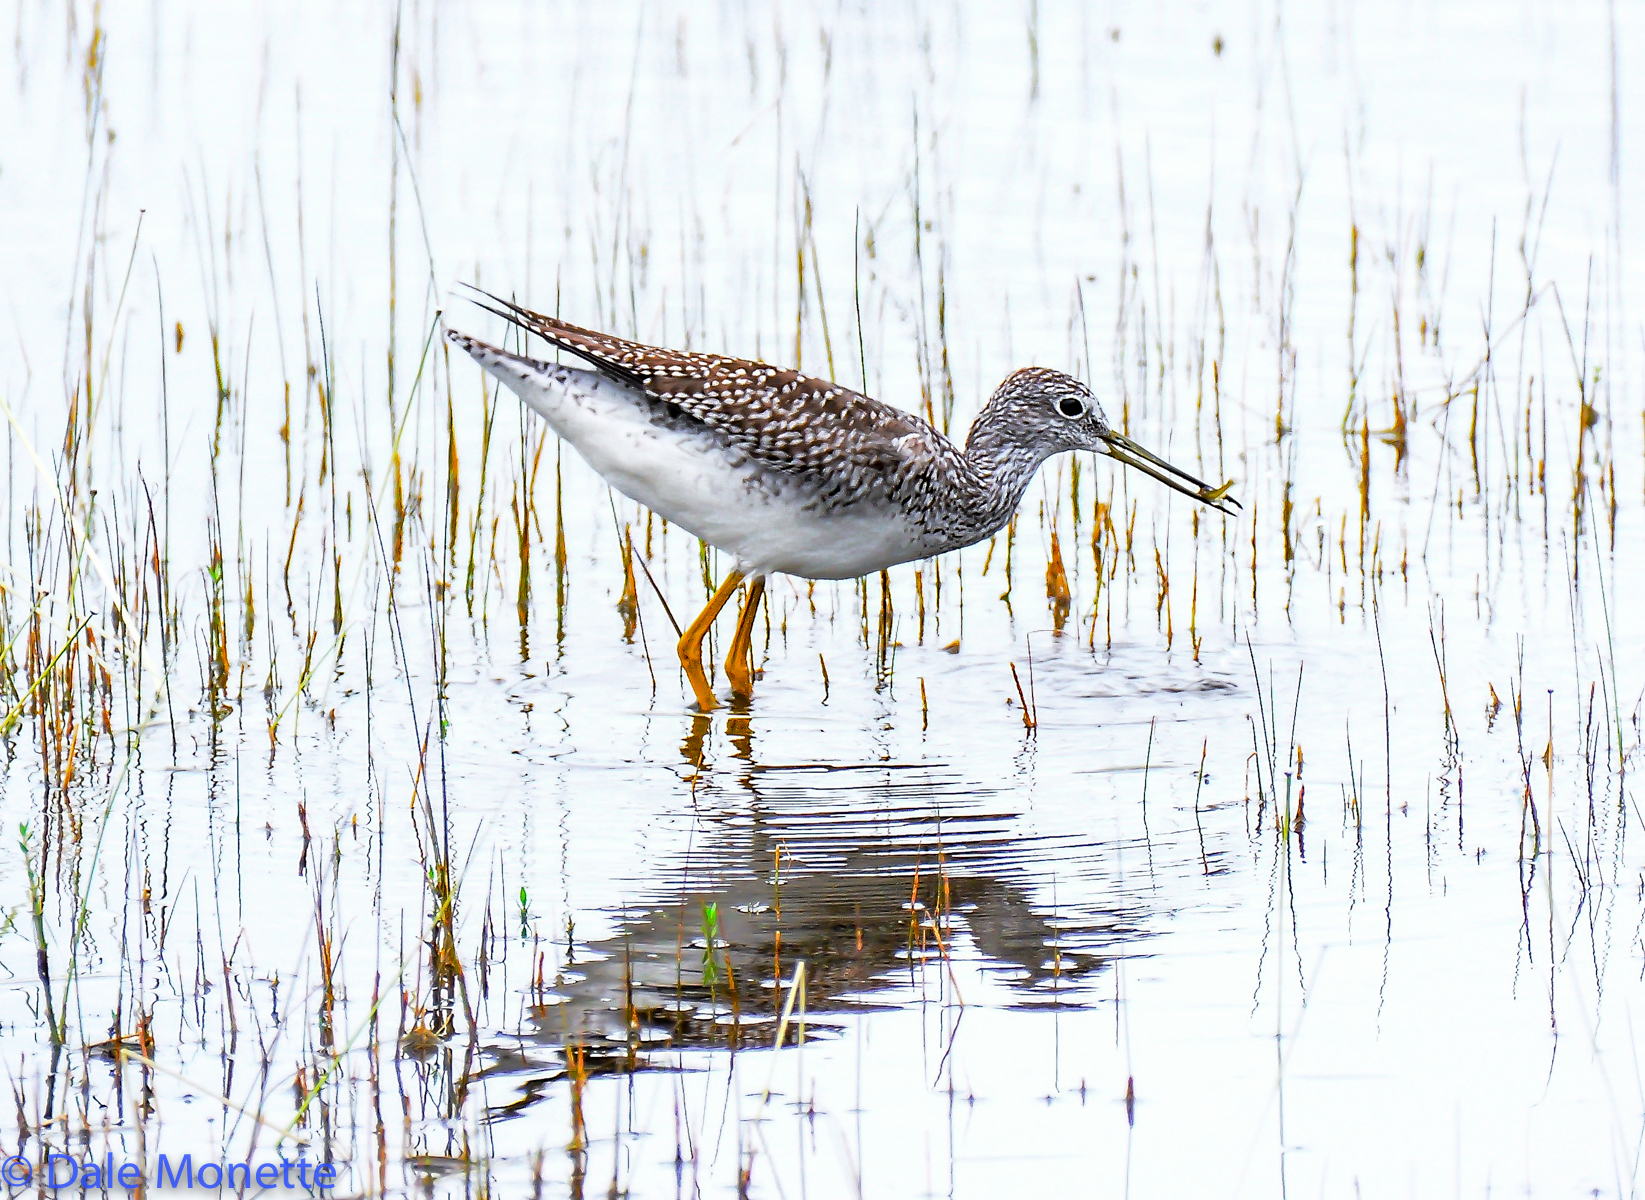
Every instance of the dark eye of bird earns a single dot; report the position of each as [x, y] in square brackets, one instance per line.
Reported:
[1070, 407]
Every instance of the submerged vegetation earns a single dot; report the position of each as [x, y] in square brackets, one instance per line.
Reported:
[356, 812]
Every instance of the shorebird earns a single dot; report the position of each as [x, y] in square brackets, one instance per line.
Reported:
[793, 474]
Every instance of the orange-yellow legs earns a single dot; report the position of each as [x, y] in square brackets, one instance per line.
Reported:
[739, 670]
[691, 641]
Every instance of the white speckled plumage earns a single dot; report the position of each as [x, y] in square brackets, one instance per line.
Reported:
[793, 474]
[715, 489]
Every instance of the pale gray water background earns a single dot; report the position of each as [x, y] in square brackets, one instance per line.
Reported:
[1428, 986]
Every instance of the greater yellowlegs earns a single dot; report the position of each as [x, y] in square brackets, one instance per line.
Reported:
[789, 473]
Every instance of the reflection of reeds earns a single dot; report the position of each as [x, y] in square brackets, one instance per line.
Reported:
[130, 625]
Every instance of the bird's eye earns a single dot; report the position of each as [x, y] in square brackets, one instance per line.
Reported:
[1069, 407]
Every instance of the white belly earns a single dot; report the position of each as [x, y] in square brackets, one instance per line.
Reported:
[766, 522]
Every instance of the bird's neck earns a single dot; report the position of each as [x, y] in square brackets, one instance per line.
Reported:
[1004, 467]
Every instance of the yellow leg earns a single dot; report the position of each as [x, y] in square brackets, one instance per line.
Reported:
[691, 641]
[738, 668]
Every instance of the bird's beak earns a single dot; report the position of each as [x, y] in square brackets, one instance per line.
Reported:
[1123, 449]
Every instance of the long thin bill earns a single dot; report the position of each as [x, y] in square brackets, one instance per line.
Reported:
[1123, 449]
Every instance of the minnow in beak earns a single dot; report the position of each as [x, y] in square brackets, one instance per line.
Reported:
[1123, 449]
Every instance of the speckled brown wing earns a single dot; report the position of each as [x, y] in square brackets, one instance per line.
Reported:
[848, 445]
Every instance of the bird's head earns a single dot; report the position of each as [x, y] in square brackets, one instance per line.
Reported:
[1050, 412]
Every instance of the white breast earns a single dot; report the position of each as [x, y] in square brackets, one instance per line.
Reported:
[767, 522]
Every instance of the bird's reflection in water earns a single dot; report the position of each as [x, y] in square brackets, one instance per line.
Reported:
[873, 874]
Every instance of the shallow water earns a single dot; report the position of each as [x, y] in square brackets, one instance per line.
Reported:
[367, 808]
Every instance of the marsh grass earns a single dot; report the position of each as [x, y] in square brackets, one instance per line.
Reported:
[357, 551]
